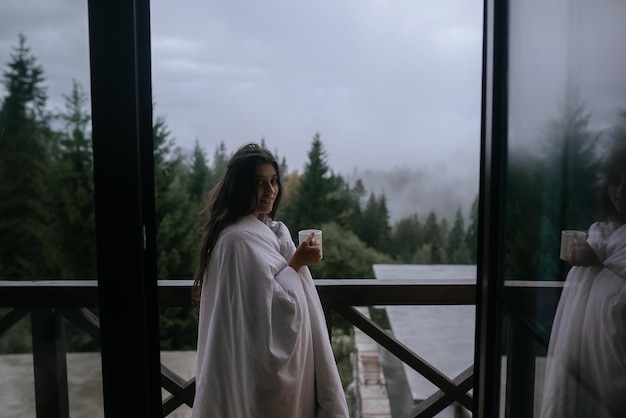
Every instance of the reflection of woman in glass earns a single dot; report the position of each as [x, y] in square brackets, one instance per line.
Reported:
[263, 347]
[586, 365]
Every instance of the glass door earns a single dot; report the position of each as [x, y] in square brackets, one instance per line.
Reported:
[556, 128]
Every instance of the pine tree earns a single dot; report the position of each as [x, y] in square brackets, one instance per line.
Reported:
[368, 233]
[471, 234]
[23, 81]
[311, 201]
[444, 233]
[432, 237]
[73, 240]
[283, 167]
[200, 176]
[176, 226]
[343, 203]
[524, 216]
[375, 230]
[385, 228]
[175, 218]
[551, 192]
[24, 178]
[570, 165]
[406, 238]
[220, 159]
[359, 191]
[457, 250]
[355, 196]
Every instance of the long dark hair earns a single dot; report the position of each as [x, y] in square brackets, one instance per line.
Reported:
[614, 172]
[232, 198]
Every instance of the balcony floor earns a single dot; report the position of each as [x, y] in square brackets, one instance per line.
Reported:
[84, 374]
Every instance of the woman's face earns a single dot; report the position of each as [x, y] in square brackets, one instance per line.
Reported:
[617, 194]
[266, 188]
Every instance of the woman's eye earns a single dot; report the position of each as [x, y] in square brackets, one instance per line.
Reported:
[272, 182]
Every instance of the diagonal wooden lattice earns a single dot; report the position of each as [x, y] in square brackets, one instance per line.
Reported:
[451, 390]
[181, 391]
[47, 301]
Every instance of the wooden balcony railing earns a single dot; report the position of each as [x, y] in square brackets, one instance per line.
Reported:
[48, 302]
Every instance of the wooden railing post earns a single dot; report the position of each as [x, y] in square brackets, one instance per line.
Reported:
[50, 364]
[520, 374]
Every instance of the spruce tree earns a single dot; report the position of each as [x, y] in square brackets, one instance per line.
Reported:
[175, 218]
[385, 228]
[342, 203]
[570, 165]
[220, 159]
[406, 238]
[551, 192]
[457, 250]
[524, 216]
[73, 238]
[444, 232]
[368, 233]
[471, 234]
[359, 191]
[432, 237]
[375, 230]
[24, 169]
[310, 203]
[200, 176]
[176, 234]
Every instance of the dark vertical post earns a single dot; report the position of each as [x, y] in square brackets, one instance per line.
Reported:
[119, 32]
[520, 371]
[50, 364]
[491, 210]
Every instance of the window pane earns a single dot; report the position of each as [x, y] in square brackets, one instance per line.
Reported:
[46, 177]
[46, 195]
[566, 104]
[373, 111]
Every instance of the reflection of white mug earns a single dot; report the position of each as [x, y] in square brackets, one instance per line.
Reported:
[304, 234]
[569, 237]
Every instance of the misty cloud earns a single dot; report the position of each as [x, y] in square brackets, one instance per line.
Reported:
[408, 191]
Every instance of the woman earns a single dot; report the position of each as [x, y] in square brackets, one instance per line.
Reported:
[586, 365]
[263, 348]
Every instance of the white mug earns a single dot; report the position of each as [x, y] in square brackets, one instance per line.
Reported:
[569, 237]
[304, 234]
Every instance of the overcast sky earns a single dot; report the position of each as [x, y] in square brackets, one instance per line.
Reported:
[386, 83]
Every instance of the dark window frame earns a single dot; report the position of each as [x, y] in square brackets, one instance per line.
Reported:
[492, 196]
[119, 41]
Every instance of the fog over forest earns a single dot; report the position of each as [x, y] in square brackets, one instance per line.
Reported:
[422, 189]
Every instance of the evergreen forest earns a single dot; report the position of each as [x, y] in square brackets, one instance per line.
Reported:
[47, 214]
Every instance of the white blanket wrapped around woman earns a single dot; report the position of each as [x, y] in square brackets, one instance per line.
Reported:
[586, 364]
[263, 347]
